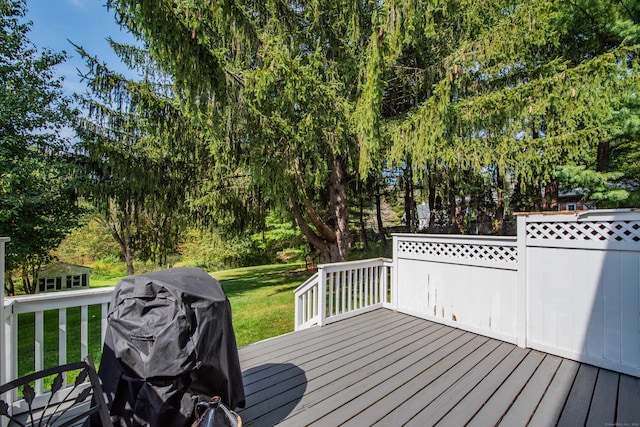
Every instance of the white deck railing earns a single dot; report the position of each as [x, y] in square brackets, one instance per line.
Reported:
[38, 304]
[568, 284]
[342, 290]
[306, 309]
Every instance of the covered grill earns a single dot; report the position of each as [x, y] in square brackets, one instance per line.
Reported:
[169, 344]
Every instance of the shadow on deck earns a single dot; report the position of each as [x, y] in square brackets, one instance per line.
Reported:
[386, 368]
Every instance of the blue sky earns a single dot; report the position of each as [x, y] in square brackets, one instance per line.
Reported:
[86, 23]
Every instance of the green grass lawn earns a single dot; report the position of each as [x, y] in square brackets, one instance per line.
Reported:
[261, 301]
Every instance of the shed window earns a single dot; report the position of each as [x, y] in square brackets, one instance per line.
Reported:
[76, 281]
[48, 284]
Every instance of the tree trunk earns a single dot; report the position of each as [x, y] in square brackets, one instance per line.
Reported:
[338, 210]
[332, 237]
[550, 200]
[604, 156]
[498, 223]
[123, 237]
[409, 205]
[432, 202]
[128, 259]
[363, 228]
[381, 232]
[456, 211]
[10, 285]
[28, 283]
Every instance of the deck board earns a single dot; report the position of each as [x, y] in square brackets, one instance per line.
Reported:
[493, 410]
[579, 400]
[527, 401]
[476, 370]
[387, 368]
[412, 383]
[603, 403]
[467, 407]
[550, 407]
[628, 411]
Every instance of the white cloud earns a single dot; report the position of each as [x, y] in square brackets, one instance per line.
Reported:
[78, 3]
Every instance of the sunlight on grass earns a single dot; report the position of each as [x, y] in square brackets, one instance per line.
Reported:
[262, 299]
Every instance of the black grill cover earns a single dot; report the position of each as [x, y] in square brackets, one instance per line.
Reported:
[169, 344]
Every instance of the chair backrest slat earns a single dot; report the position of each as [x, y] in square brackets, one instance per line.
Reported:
[62, 405]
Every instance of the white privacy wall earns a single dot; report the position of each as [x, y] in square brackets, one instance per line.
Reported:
[469, 282]
[583, 278]
[569, 284]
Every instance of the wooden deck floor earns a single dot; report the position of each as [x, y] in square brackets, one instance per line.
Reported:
[385, 368]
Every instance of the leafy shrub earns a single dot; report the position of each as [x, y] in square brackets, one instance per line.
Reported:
[89, 243]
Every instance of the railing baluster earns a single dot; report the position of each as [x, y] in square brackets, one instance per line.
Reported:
[367, 295]
[336, 296]
[330, 286]
[306, 307]
[338, 292]
[38, 354]
[375, 277]
[11, 329]
[343, 288]
[378, 284]
[84, 331]
[313, 308]
[363, 280]
[62, 337]
[360, 288]
[349, 289]
[104, 321]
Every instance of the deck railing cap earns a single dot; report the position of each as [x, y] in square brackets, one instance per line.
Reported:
[454, 236]
[579, 213]
[354, 262]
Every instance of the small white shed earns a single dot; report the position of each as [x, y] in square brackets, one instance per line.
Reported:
[62, 276]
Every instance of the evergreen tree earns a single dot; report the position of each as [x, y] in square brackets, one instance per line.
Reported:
[277, 84]
[140, 155]
[308, 96]
[515, 87]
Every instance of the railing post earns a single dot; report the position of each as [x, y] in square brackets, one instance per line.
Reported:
[387, 279]
[322, 298]
[394, 275]
[297, 307]
[521, 282]
[4, 365]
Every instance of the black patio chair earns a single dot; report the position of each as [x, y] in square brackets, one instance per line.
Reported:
[60, 406]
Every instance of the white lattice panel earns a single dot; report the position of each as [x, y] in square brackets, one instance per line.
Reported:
[625, 233]
[472, 253]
